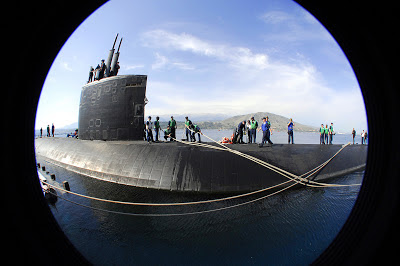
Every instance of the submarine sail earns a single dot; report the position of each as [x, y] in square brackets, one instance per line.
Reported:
[112, 108]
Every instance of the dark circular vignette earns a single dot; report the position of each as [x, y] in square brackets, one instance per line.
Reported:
[364, 31]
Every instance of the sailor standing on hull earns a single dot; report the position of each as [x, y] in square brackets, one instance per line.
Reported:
[240, 128]
[322, 134]
[157, 127]
[266, 128]
[149, 126]
[188, 126]
[290, 130]
[253, 129]
[326, 134]
[248, 128]
[331, 133]
[172, 126]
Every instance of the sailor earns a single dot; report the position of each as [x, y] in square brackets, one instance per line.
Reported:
[331, 133]
[52, 129]
[97, 72]
[365, 137]
[362, 137]
[116, 69]
[167, 134]
[102, 69]
[48, 130]
[157, 127]
[91, 74]
[253, 129]
[269, 125]
[326, 134]
[172, 125]
[290, 130]
[41, 132]
[188, 125]
[248, 127]
[241, 127]
[266, 128]
[322, 134]
[196, 129]
[149, 126]
[354, 134]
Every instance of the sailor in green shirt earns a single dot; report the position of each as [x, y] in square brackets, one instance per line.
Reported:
[253, 129]
[321, 134]
[172, 125]
[196, 129]
[326, 134]
[168, 133]
[331, 133]
[157, 127]
[188, 125]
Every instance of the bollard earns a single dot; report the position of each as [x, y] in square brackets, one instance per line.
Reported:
[47, 172]
[53, 177]
[66, 185]
[43, 168]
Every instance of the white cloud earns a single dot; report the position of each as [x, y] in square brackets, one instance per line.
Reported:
[66, 66]
[236, 56]
[161, 61]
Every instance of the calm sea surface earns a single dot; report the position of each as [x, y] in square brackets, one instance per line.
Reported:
[292, 227]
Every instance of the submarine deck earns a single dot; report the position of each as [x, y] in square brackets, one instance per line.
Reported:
[182, 167]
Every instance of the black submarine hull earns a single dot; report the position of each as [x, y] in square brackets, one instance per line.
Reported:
[177, 166]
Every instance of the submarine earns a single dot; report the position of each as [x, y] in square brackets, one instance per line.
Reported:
[110, 148]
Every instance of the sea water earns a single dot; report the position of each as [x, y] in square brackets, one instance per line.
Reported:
[292, 227]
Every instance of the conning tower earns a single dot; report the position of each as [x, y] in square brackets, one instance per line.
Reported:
[113, 108]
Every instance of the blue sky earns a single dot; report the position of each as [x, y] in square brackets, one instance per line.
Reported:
[231, 57]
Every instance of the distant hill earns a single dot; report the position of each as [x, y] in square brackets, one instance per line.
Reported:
[278, 122]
